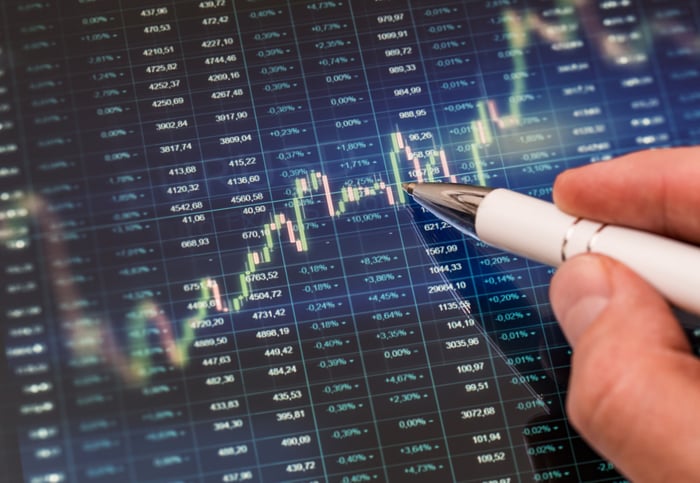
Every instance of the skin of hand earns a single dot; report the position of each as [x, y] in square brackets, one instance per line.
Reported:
[634, 391]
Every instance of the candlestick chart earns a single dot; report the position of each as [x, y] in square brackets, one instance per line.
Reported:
[284, 229]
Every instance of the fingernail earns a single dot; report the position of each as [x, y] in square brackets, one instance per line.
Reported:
[580, 291]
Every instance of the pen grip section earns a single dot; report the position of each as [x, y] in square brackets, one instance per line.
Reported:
[524, 225]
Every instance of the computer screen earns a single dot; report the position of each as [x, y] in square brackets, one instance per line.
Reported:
[210, 272]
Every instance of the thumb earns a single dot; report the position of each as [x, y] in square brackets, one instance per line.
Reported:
[634, 388]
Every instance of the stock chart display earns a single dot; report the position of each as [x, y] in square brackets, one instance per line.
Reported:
[210, 272]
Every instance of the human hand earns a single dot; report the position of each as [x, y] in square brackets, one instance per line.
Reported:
[634, 391]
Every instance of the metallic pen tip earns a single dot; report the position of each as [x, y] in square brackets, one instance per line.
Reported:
[408, 187]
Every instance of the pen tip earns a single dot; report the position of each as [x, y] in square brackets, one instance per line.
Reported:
[408, 187]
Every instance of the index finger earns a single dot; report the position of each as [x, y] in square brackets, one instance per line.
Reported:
[653, 190]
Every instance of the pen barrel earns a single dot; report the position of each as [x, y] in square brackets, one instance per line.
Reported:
[538, 230]
[672, 267]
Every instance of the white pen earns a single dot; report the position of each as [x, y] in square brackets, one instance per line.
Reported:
[538, 230]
